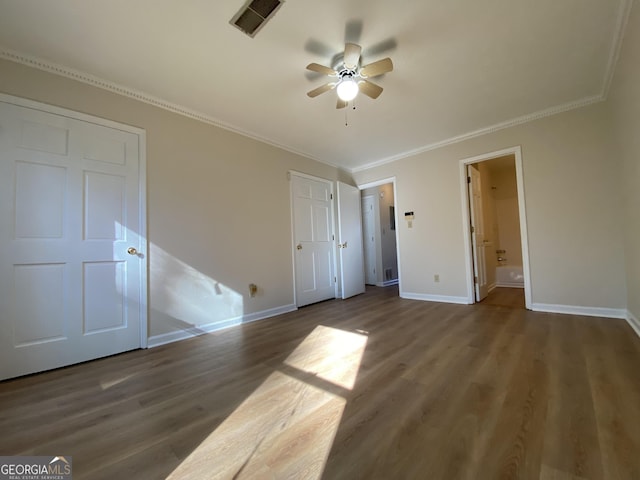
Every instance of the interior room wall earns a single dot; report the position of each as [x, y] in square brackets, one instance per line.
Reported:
[218, 205]
[505, 194]
[573, 204]
[624, 101]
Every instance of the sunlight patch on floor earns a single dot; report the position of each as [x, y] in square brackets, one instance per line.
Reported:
[106, 383]
[286, 427]
[331, 354]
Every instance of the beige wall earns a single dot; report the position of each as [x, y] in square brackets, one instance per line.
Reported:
[218, 205]
[573, 202]
[624, 101]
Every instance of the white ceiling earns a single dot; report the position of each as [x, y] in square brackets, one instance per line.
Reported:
[462, 67]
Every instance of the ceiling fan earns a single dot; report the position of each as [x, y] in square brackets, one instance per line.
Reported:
[350, 77]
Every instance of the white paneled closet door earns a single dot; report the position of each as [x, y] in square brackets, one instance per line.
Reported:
[72, 248]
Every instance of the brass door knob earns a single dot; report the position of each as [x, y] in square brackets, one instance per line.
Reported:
[132, 251]
[299, 247]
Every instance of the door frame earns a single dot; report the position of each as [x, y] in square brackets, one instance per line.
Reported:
[336, 290]
[378, 183]
[344, 191]
[478, 252]
[142, 184]
[466, 219]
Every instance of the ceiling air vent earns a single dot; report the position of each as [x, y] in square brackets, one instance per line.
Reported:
[252, 17]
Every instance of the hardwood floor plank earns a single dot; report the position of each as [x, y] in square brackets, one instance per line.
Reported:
[615, 388]
[374, 387]
[571, 439]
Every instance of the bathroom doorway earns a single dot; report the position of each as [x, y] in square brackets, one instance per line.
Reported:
[495, 229]
[379, 233]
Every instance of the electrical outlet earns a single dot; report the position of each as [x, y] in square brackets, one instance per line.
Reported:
[436, 277]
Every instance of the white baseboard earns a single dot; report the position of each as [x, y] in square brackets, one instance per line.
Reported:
[387, 283]
[575, 310]
[492, 287]
[196, 330]
[434, 298]
[510, 285]
[634, 322]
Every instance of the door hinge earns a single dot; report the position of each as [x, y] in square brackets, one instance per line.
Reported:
[335, 280]
[473, 229]
[475, 279]
[333, 237]
[468, 179]
[331, 196]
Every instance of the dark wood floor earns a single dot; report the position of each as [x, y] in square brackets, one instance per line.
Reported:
[374, 387]
[505, 297]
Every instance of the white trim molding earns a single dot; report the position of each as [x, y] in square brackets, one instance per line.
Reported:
[425, 297]
[578, 310]
[548, 112]
[387, 283]
[633, 321]
[47, 66]
[614, 51]
[522, 211]
[616, 45]
[197, 330]
[612, 60]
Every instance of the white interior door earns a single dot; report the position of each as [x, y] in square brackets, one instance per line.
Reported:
[369, 239]
[313, 239]
[478, 242]
[71, 207]
[350, 240]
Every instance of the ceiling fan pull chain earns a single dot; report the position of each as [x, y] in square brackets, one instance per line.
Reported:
[346, 120]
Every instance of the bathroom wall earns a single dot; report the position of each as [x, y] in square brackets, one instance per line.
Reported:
[504, 191]
[490, 221]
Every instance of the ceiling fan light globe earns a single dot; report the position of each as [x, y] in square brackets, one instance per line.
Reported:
[347, 90]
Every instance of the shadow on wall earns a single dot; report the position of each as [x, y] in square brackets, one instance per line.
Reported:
[187, 298]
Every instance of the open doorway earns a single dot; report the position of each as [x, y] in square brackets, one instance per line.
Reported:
[495, 229]
[379, 233]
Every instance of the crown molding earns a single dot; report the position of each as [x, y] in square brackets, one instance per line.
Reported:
[51, 67]
[616, 45]
[621, 23]
[614, 53]
[484, 131]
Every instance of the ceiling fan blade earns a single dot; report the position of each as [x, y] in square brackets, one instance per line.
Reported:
[370, 89]
[321, 89]
[315, 67]
[377, 68]
[341, 104]
[351, 55]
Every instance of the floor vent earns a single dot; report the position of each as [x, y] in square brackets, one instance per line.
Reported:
[252, 17]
